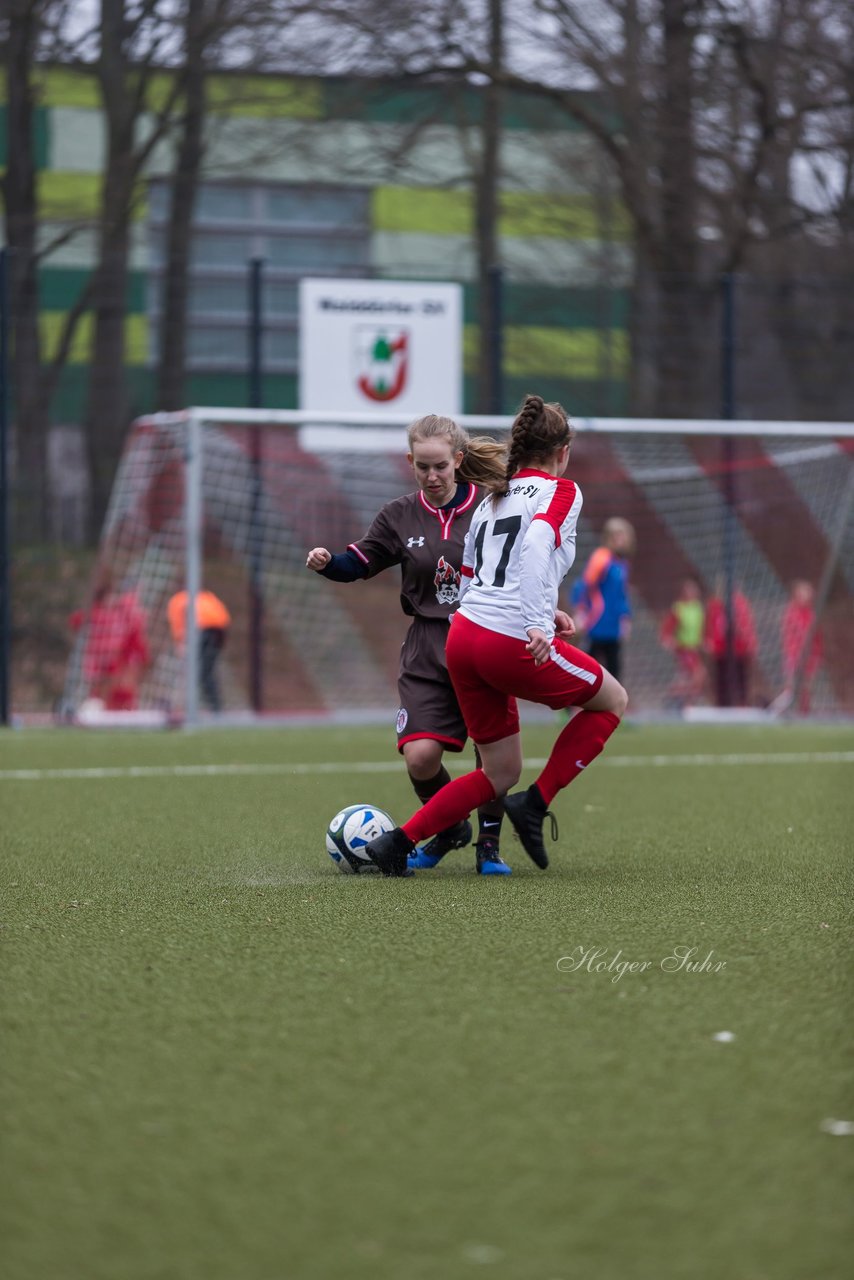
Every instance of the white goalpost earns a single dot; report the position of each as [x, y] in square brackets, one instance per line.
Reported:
[230, 500]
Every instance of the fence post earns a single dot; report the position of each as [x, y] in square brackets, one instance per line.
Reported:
[728, 413]
[5, 515]
[256, 523]
[496, 340]
[194, 535]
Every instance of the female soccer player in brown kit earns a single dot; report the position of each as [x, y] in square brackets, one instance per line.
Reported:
[509, 640]
[424, 533]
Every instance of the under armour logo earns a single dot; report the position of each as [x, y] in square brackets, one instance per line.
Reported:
[415, 542]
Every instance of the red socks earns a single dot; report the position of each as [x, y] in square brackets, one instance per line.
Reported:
[454, 802]
[578, 744]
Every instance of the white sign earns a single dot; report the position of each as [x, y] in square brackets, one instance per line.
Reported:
[380, 345]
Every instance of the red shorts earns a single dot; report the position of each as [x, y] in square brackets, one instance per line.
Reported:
[490, 671]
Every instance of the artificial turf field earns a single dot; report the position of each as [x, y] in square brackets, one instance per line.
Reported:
[223, 1060]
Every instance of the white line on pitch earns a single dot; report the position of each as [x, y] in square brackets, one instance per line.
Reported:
[393, 766]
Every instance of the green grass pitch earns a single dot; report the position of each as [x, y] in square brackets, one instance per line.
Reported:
[220, 1059]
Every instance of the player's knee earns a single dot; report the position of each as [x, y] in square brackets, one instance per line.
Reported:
[610, 697]
[423, 758]
[619, 700]
[503, 777]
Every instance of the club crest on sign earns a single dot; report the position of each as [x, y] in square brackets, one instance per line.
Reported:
[382, 360]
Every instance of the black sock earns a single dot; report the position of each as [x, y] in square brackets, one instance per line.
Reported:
[425, 788]
[488, 826]
[535, 799]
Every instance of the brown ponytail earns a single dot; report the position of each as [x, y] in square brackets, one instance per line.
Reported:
[538, 431]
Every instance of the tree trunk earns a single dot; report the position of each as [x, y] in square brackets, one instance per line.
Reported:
[30, 409]
[171, 393]
[643, 331]
[679, 351]
[107, 401]
[486, 225]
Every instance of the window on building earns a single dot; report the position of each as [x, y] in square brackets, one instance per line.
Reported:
[295, 231]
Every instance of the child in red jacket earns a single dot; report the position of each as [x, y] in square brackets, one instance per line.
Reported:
[718, 647]
[682, 634]
[115, 645]
[801, 642]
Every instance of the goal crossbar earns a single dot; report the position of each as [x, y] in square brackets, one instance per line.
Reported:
[498, 422]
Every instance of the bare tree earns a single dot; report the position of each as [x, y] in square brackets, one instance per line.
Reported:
[706, 110]
[19, 197]
[802, 254]
[34, 31]
[713, 117]
[133, 43]
[209, 27]
[486, 192]
[171, 363]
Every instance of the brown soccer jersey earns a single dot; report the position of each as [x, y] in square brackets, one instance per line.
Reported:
[427, 542]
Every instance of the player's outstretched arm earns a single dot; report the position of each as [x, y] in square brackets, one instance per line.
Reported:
[318, 558]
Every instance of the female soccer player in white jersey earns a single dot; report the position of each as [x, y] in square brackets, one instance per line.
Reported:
[509, 640]
[424, 532]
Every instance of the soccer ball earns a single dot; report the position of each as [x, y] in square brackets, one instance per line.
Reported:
[349, 832]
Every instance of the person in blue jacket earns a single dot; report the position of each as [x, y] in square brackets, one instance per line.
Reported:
[600, 598]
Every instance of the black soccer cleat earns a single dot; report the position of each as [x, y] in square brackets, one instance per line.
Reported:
[455, 837]
[390, 851]
[527, 811]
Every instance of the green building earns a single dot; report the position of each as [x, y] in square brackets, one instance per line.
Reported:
[345, 178]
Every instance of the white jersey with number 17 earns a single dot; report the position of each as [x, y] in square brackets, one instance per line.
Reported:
[517, 552]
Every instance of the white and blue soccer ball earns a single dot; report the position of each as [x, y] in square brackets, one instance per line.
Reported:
[349, 832]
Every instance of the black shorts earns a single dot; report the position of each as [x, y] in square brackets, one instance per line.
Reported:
[607, 654]
[428, 704]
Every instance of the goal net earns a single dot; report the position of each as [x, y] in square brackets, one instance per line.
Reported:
[231, 501]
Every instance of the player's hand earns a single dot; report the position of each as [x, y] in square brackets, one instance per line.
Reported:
[318, 558]
[564, 625]
[539, 645]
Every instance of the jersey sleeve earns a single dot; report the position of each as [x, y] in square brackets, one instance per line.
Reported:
[553, 526]
[344, 567]
[534, 598]
[559, 509]
[380, 547]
